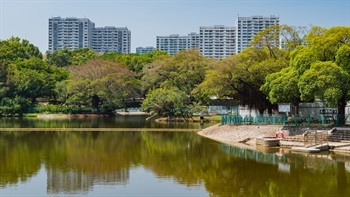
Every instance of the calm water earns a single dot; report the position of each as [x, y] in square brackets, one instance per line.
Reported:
[155, 164]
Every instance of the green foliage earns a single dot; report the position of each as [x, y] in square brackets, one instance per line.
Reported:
[282, 86]
[164, 101]
[321, 70]
[82, 56]
[324, 80]
[55, 109]
[15, 49]
[184, 71]
[13, 106]
[104, 83]
[34, 78]
[65, 57]
[135, 62]
[59, 58]
[241, 76]
[24, 76]
[342, 58]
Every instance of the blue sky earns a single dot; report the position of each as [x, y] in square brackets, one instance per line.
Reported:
[146, 19]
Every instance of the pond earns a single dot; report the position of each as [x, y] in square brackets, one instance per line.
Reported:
[156, 164]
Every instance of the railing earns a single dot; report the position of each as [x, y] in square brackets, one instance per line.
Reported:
[314, 138]
[336, 120]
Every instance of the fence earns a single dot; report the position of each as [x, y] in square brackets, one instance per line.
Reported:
[313, 138]
[337, 120]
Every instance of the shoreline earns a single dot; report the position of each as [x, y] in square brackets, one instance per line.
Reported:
[243, 136]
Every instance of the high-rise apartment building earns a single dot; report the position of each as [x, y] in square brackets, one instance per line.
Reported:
[75, 33]
[111, 39]
[144, 50]
[173, 43]
[247, 27]
[195, 40]
[217, 41]
[71, 33]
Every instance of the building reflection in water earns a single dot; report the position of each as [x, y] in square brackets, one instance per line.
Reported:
[78, 182]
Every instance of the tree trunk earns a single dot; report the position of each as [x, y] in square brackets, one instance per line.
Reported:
[95, 102]
[341, 110]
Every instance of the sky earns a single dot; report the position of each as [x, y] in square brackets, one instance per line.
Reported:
[146, 19]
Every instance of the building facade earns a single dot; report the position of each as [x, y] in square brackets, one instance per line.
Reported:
[195, 40]
[217, 41]
[111, 39]
[247, 27]
[75, 33]
[173, 43]
[71, 33]
[144, 50]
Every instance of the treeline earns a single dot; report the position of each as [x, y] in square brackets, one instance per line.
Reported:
[314, 63]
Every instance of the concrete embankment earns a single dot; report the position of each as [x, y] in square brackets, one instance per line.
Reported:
[246, 136]
[235, 135]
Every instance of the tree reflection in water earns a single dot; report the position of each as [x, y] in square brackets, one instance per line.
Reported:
[75, 161]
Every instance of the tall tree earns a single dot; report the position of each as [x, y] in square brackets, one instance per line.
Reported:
[14, 49]
[241, 76]
[184, 71]
[320, 68]
[135, 62]
[326, 81]
[103, 83]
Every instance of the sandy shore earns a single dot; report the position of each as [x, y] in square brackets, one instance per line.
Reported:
[242, 135]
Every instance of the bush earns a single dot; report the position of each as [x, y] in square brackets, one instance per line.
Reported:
[56, 109]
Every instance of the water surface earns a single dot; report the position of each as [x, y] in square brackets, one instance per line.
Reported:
[159, 164]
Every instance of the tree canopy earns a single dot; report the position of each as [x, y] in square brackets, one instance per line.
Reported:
[104, 83]
[320, 69]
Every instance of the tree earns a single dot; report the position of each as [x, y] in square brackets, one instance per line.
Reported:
[135, 62]
[329, 46]
[281, 87]
[293, 36]
[14, 49]
[241, 76]
[59, 58]
[82, 56]
[65, 57]
[326, 81]
[34, 78]
[24, 76]
[308, 66]
[164, 101]
[103, 83]
[184, 71]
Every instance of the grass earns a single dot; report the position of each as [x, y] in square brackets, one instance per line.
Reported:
[213, 118]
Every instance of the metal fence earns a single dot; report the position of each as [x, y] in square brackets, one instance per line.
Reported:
[337, 120]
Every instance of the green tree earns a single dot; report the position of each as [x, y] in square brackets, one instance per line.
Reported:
[164, 101]
[308, 66]
[65, 57]
[135, 62]
[184, 71]
[24, 76]
[326, 81]
[103, 83]
[241, 76]
[282, 86]
[14, 49]
[35, 78]
[59, 58]
[82, 56]
[330, 46]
